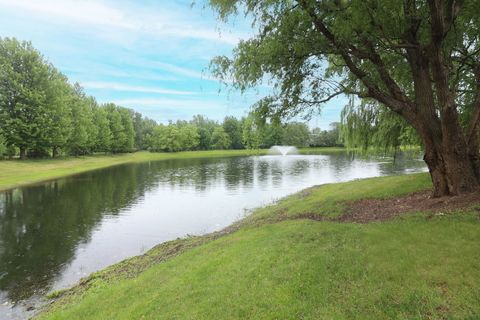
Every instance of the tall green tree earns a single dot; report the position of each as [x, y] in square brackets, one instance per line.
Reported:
[367, 126]
[103, 140]
[333, 137]
[127, 123]
[271, 134]
[233, 127]
[417, 59]
[205, 129]
[119, 137]
[220, 139]
[83, 135]
[296, 134]
[143, 130]
[251, 133]
[24, 95]
[3, 146]
[58, 125]
[189, 138]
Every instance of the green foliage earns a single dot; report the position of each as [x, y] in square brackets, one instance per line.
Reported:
[205, 129]
[58, 129]
[314, 51]
[128, 128]
[43, 115]
[121, 128]
[233, 127]
[104, 139]
[25, 95]
[83, 128]
[296, 134]
[251, 133]
[173, 138]
[370, 125]
[271, 134]
[143, 131]
[3, 147]
[326, 138]
[220, 139]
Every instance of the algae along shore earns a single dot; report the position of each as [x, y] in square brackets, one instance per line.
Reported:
[378, 248]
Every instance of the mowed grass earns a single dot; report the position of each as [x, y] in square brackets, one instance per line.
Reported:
[15, 173]
[417, 266]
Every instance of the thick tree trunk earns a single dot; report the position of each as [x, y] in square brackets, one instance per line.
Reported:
[55, 152]
[23, 153]
[459, 167]
[436, 167]
[451, 167]
[474, 154]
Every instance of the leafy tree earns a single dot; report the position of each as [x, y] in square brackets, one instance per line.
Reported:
[366, 126]
[251, 133]
[165, 138]
[205, 129]
[174, 138]
[220, 139]
[417, 59]
[326, 138]
[143, 130]
[103, 140]
[119, 137]
[3, 147]
[83, 135]
[128, 129]
[189, 137]
[296, 134]
[24, 93]
[58, 129]
[148, 125]
[233, 127]
[270, 134]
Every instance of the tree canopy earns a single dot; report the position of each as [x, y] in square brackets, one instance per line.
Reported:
[414, 65]
[42, 114]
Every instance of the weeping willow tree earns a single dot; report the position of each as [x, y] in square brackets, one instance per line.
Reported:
[369, 125]
[417, 60]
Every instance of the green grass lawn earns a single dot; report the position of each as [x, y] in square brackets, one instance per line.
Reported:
[21, 172]
[273, 265]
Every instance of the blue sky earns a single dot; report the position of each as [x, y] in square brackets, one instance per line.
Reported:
[151, 56]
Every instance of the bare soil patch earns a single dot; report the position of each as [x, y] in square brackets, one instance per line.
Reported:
[370, 210]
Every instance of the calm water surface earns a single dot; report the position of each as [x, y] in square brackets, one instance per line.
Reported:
[52, 234]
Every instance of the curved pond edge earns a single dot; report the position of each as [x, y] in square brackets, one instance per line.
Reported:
[329, 200]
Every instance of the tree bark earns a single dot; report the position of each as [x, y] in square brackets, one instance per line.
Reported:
[23, 153]
[453, 167]
[452, 157]
[55, 152]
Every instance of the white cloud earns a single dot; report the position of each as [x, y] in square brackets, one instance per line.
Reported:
[131, 88]
[116, 20]
[178, 70]
[87, 12]
[181, 104]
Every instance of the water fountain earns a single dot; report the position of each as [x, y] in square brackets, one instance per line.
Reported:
[283, 150]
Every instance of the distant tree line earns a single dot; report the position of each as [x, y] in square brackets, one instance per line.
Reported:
[43, 115]
[201, 133]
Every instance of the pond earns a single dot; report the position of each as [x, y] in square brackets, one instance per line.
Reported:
[54, 233]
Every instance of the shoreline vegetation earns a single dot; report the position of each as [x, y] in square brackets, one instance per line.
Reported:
[307, 256]
[16, 173]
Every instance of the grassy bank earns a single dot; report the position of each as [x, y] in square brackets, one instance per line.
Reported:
[278, 264]
[16, 172]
